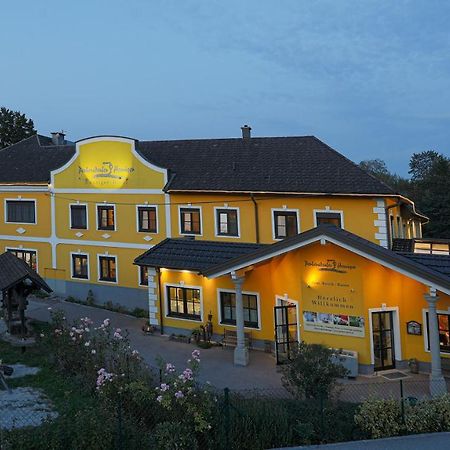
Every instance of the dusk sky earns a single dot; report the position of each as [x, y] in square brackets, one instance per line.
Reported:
[370, 78]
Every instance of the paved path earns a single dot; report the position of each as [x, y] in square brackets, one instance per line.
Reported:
[435, 441]
[216, 363]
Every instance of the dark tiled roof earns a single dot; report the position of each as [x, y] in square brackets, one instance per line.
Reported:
[190, 254]
[403, 245]
[273, 164]
[13, 270]
[270, 164]
[438, 263]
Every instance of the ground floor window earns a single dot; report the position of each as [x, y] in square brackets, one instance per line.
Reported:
[107, 268]
[80, 266]
[143, 275]
[184, 302]
[444, 332]
[29, 256]
[228, 309]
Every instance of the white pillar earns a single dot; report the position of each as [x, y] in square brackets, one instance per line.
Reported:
[241, 351]
[152, 297]
[438, 386]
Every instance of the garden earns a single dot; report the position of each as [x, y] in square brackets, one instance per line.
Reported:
[102, 395]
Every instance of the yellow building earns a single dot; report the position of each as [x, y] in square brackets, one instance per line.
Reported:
[82, 213]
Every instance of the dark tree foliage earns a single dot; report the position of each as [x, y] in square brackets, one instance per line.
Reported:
[428, 187]
[14, 126]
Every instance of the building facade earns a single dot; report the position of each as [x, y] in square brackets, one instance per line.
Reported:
[82, 214]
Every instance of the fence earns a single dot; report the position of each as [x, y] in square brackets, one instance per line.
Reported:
[250, 419]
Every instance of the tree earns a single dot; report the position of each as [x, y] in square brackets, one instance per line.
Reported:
[378, 168]
[421, 164]
[14, 126]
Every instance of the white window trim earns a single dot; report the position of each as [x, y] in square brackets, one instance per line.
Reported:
[99, 271]
[166, 301]
[285, 298]
[145, 286]
[20, 249]
[231, 291]
[137, 218]
[20, 199]
[333, 211]
[88, 266]
[397, 337]
[217, 223]
[180, 227]
[425, 328]
[273, 211]
[96, 216]
[87, 215]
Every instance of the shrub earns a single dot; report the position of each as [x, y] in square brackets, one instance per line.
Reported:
[380, 418]
[172, 435]
[311, 372]
[429, 416]
[90, 299]
[139, 312]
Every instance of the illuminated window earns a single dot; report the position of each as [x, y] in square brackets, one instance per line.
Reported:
[227, 222]
[143, 275]
[29, 256]
[147, 219]
[21, 211]
[190, 220]
[432, 248]
[444, 332]
[80, 267]
[78, 217]
[105, 217]
[184, 302]
[107, 268]
[285, 224]
[228, 309]
[331, 218]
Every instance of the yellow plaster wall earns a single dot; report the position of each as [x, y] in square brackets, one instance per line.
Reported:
[43, 250]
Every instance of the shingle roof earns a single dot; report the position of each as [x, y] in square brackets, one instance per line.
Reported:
[13, 270]
[190, 254]
[438, 263]
[268, 164]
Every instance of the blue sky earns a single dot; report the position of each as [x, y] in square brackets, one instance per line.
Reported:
[370, 78]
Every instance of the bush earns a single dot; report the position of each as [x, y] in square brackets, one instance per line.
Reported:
[90, 299]
[172, 435]
[429, 416]
[139, 312]
[311, 372]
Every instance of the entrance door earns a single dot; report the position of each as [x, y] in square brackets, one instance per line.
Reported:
[383, 340]
[286, 330]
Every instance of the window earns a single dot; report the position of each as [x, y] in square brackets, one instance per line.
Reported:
[444, 332]
[147, 219]
[105, 214]
[190, 220]
[227, 222]
[78, 217]
[184, 302]
[331, 218]
[29, 256]
[432, 248]
[228, 309]
[143, 275]
[285, 224]
[80, 268]
[21, 211]
[107, 268]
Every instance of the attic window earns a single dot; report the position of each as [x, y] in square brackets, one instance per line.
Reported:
[432, 248]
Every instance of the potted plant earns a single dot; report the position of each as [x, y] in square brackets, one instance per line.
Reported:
[413, 365]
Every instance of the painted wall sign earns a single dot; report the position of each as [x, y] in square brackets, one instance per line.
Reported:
[334, 323]
[330, 265]
[413, 327]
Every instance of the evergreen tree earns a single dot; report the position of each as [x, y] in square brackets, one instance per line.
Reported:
[14, 126]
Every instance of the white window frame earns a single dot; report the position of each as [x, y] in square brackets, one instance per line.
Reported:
[232, 291]
[180, 226]
[332, 211]
[425, 328]
[88, 266]
[217, 222]
[284, 298]
[87, 215]
[20, 249]
[20, 199]
[99, 268]
[272, 218]
[96, 216]
[145, 286]
[396, 325]
[166, 301]
[137, 218]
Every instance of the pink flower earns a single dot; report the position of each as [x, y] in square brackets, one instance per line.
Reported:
[164, 387]
[87, 344]
[106, 322]
[93, 351]
[117, 335]
[179, 394]
[170, 368]
[159, 398]
[196, 355]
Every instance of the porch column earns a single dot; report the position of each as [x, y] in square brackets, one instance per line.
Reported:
[438, 386]
[241, 351]
[152, 297]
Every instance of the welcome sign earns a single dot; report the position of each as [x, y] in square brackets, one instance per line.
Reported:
[332, 297]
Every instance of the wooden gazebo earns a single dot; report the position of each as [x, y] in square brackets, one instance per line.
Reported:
[17, 281]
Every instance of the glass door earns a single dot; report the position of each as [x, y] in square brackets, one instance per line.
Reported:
[286, 330]
[383, 340]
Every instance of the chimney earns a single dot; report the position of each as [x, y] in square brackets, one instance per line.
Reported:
[58, 138]
[246, 132]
